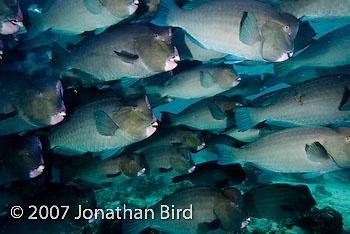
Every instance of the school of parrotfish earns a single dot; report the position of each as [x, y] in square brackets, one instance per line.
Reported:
[86, 89]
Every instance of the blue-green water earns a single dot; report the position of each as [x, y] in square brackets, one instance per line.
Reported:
[236, 111]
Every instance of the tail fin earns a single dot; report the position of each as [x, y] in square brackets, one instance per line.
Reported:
[167, 13]
[243, 118]
[58, 56]
[285, 67]
[180, 44]
[167, 119]
[36, 22]
[153, 90]
[132, 226]
[227, 154]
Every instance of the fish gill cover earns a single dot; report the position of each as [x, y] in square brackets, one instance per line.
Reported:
[174, 116]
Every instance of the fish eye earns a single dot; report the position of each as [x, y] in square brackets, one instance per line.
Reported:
[156, 36]
[286, 27]
[347, 139]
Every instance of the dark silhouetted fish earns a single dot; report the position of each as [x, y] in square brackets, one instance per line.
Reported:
[213, 209]
[278, 201]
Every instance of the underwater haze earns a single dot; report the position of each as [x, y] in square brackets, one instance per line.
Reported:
[174, 116]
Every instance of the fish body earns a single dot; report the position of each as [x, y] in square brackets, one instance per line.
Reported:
[278, 201]
[21, 158]
[208, 114]
[104, 126]
[245, 29]
[75, 17]
[199, 82]
[178, 136]
[315, 9]
[126, 51]
[97, 171]
[322, 101]
[307, 149]
[247, 86]
[28, 103]
[252, 134]
[213, 175]
[188, 50]
[167, 161]
[223, 209]
[328, 51]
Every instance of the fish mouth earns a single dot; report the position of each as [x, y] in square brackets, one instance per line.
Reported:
[14, 25]
[191, 169]
[58, 116]
[37, 171]
[141, 172]
[245, 223]
[8, 28]
[133, 6]
[285, 56]
[201, 146]
[237, 81]
[170, 63]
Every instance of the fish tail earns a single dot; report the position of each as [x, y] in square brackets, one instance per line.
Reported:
[168, 119]
[167, 13]
[152, 89]
[132, 226]
[285, 67]
[180, 43]
[59, 55]
[37, 26]
[227, 154]
[244, 119]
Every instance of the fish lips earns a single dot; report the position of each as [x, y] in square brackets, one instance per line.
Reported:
[170, 63]
[133, 7]
[12, 26]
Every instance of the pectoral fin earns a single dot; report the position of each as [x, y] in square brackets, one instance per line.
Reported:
[206, 79]
[208, 226]
[126, 56]
[8, 115]
[216, 112]
[94, 6]
[113, 175]
[316, 152]
[249, 33]
[104, 124]
[345, 101]
[165, 170]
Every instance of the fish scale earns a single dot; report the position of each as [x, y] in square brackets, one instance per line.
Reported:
[284, 151]
[319, 104]
[88, 139]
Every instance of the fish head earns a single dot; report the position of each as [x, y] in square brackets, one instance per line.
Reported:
[279, 35]
[85, 198]
[27, 160]
[304, 197]
[156, 51]
[121, 8]
[43, 105]
[186, 138]
[339, 147]
[11, 23]
[130, 165]
[230, 210]
[226, 76]
[182, 161]
[136, 118]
